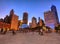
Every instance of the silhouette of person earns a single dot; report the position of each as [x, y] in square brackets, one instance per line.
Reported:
[1, 30]
[13, 32]
[56, 28]
[40, 30]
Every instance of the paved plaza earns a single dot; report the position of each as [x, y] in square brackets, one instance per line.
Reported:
[30, 38]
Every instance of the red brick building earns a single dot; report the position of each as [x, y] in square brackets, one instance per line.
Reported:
[4, 25]
[10, 22]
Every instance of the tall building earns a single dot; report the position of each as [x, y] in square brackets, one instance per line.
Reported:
[1, 20]
[38, 19]
[34, 22]
[11, 12]
[51, 17]
[14, 20]
[25, 18]
[41, 23]
[9, 22]
[54, 10]
[30, 25]
[6, 19]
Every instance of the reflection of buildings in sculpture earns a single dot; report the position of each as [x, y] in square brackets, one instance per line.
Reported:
[25, 18]
[34, 22]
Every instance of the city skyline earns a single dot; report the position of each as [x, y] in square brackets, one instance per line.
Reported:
[34, 8]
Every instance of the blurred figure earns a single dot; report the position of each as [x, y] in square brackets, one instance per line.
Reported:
[59, 28]
[56, 28]
[40, 30]
[13, 32]
[1, 30]
[40, 26]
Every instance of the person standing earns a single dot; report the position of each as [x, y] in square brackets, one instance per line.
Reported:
[13, 32]
[56, 28]
[1, 30]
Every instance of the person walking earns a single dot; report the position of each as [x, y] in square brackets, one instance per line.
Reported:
[1, 30]
[13, 32]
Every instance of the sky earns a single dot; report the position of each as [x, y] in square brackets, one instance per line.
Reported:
[34, 8]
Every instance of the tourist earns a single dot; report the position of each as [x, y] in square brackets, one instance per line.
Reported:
[13, 32]
[1, 30]
[40, 30]
[56, 28]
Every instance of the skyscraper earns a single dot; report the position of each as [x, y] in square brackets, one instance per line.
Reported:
[25, 18]
[54, 10]
[14, 20]
[11, 12]
[51, 17]
[38, 19]
[41, 23]
[34, 22]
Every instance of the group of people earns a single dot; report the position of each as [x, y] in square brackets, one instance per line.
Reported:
[38, 29]
[4, 31]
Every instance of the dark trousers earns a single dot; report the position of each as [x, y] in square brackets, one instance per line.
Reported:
[13, 32]
[1, 30]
